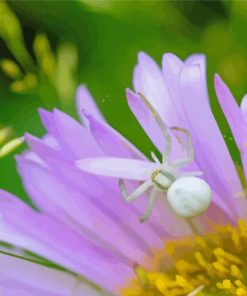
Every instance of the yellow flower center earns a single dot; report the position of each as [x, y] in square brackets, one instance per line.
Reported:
[213, 264]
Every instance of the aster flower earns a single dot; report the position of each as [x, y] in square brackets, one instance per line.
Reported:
[81, 221]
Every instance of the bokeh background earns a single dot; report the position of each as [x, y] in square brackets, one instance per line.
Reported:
[48, 48]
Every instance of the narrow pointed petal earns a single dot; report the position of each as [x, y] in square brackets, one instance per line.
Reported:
[24, 278]
[75, 137]
[171, 68]
[110, 141]
[232, 111]
[47, 119]
[243, 108]
[146, 119]
[212, 155]
[53, 240]
[200, 59]
[55, 197]
[149, 124]
[92, 187]
[131, 169]
[85, 101]
[148, 80]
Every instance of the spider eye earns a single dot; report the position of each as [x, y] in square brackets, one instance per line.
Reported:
[189, 197]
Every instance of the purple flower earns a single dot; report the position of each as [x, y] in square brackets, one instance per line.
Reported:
[82, 222]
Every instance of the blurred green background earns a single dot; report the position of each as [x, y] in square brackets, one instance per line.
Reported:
[47, 48]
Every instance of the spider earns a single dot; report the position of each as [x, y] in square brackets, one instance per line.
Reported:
[187, 195]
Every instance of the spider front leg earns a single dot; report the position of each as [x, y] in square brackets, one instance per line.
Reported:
[189, 148]
[139, 191]
[151, 201]
[162, 127]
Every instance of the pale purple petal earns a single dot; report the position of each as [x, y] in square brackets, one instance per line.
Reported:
[148, 80]
[112, 204]
[71, 138]
[110, 141]
[212, 155]
[171, 68]
[84, 100]
[243, 108]
[200, 59]
[74, 136]
[47, 119]
[56, 197]
[232, 112]
[23, 227]
[21, 277]
[146, 119]
[149, 124]
[131, 169]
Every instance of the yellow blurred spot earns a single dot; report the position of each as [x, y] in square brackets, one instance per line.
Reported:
[44, 54]
[28, 82]
[10, 69]
[5, 134]
[10, 146]
[11, 32]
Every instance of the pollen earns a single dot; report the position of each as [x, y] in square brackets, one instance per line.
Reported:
[213, 264]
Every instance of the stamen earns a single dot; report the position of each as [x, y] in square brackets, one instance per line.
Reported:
[211, 264]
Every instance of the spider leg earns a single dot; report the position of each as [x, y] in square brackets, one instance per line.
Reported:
[151, 201]
[139, 191]
[189, 148]
[162, 127]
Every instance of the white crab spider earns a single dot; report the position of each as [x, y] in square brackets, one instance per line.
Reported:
[187, 195]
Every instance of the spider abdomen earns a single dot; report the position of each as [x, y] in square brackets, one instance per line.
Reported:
[189, 196]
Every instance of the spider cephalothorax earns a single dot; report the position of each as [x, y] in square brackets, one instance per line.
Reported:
[187, 195]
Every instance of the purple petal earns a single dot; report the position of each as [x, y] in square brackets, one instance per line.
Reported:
[105, 195]
[25, 228]
[146, 119]
[58, 198]
[110, 141]
[23, 278]
[131, 169]
[75, 137]
[243, 108]
[171, 68]
[85, 101]
[232, 112]
[148, 80]
[149, 124]
[47, 119]
[212, 155]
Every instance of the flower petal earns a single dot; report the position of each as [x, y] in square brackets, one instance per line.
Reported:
[23, 278]
[146, 119]
[243, 108]
[85, 101]
[212, 155]
[110, 141]
[171, 68]
[148, 80]
[232, 112]
[111, 204]
[131, 169]
[58, 198]
[25, 228]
